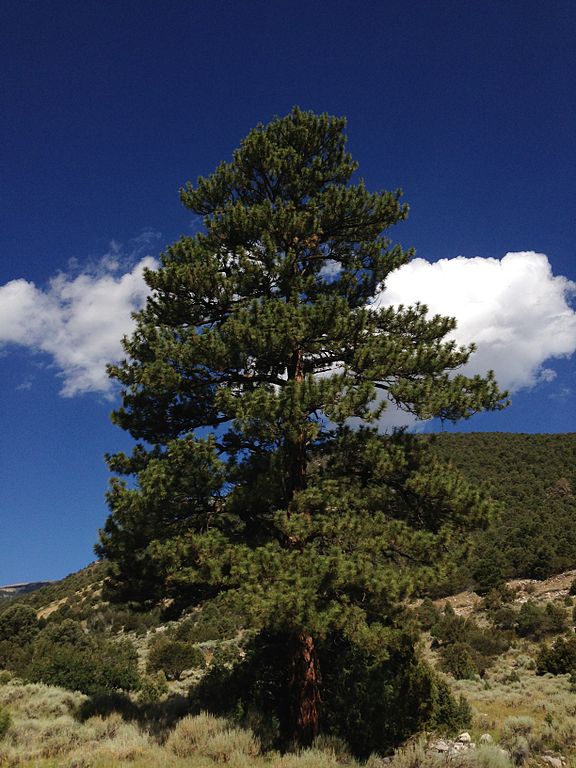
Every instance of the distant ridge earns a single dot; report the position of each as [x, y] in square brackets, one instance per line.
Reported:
[10, 590]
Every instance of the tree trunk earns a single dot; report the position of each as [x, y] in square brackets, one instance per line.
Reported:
[305, 699]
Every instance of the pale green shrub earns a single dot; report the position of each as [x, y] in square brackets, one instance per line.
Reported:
[518, 726]
[309, 758]
[192, 733]
[234, 741]
[488, 756]
[412, 755]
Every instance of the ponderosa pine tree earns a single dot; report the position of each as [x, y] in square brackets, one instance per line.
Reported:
[257, 345]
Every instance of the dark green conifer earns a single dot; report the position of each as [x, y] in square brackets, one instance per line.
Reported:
[258, 344]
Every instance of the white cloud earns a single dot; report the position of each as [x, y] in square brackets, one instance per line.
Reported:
[516, 311]
[78, 320]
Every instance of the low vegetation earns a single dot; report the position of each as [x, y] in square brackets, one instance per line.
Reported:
[504, 677]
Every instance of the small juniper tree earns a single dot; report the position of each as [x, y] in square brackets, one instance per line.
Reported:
[257, 345]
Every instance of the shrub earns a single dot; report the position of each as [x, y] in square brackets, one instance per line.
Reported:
[212, 737]
[5, 722]
[5, 676]
[505, 618]
[457, 660]
[572, 590]
[98, 667]
[67, 632]
[558, 659]
[465, 648]
[536, 622]
[152, 688]
[173, 657]
[19, 624]
[13, 657]
[487, 756]
[216, 620]
[427, 614]
[497, 597]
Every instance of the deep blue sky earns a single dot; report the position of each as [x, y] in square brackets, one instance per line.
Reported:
[108, 107]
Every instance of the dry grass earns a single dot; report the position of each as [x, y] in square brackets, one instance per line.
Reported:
[527, 714]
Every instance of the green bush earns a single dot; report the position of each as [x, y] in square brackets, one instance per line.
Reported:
[5, 722]
[427, 614]
[559, 658]
[505, 618]
[536, 622]
[216, 620]
[457, 659]
[152, 688]
[466, 649]
[5, 676]
[19, 624]
[67, 632]
[13, 656]
[173, 657]
[99, 666]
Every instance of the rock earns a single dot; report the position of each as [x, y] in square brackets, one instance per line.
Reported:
[464, 738]
[486, 738]
[555, 762]
[440, 746]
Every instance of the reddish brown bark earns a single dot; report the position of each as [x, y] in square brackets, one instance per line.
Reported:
[305, 696]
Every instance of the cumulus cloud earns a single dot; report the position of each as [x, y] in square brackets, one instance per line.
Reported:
[514, 309]
[78, 319]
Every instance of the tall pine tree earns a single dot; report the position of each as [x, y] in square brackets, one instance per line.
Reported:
[257, 346]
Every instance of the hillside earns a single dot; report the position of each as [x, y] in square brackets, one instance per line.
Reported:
[532, 478]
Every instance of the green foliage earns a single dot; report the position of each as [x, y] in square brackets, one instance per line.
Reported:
[427, 614]
[12, 655]
[152, 688]
[505, 618]
[376, 704]
[18, 624]
[457, 659]
[216, 619]
[258, 345]
[5, 722]
[92, 666]
[466, 649]
[531, 478]
[371, 701]
[173, 657]
[559, 658]
[536, 621]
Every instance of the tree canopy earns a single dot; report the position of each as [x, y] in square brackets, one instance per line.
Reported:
[258, 348]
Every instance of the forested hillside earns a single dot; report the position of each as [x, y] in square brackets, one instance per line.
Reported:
[533, 480]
